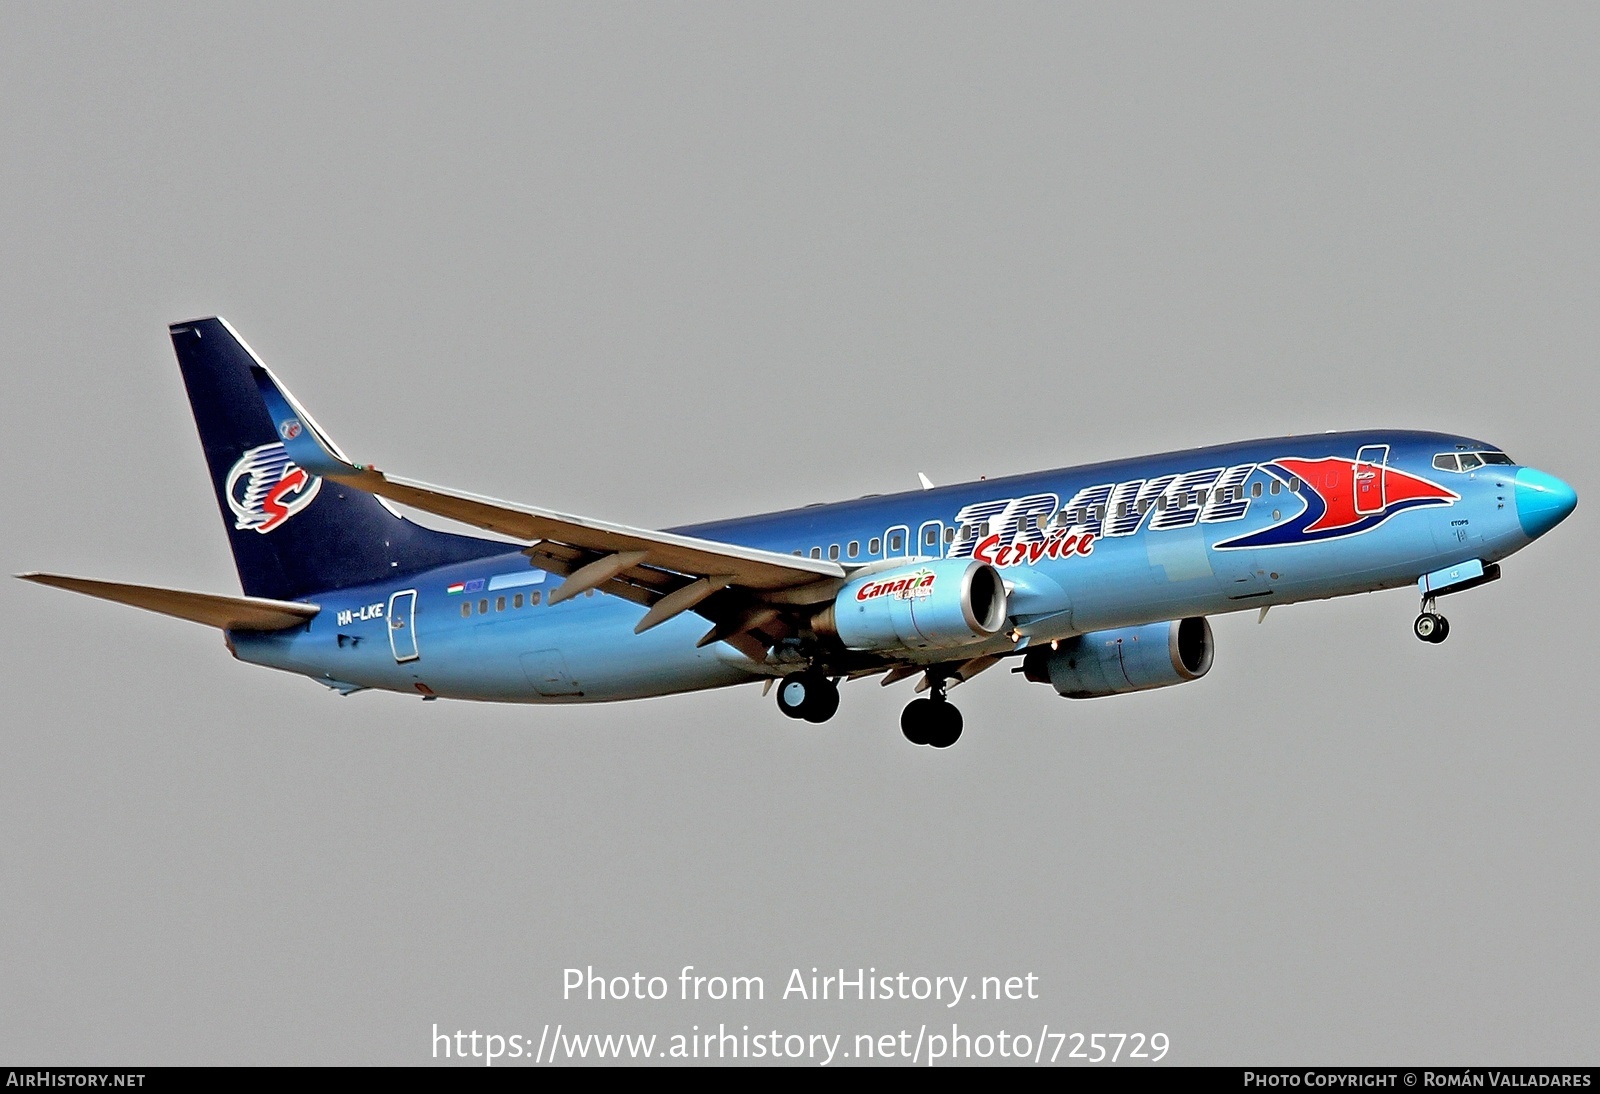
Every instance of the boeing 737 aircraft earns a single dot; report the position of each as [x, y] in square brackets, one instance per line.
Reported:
[1096, 580]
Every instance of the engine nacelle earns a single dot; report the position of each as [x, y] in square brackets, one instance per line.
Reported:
[930, 605]
[1157, 655]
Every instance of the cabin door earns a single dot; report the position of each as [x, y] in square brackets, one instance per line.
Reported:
[402, 617]
[1371, 472]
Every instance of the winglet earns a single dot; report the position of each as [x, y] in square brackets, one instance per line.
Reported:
[303, 439]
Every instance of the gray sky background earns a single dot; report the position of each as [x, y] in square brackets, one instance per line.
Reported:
[664, 264]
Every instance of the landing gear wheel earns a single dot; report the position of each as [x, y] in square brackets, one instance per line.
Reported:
[808, 695]
[916, 720]
[1430, 627]
[947, 726]
[931, 722]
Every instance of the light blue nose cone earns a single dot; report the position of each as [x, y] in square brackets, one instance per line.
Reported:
[1543, 501]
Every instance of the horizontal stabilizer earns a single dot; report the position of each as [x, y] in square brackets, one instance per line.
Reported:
[232, 613]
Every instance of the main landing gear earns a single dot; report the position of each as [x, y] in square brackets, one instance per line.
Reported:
[814, 697]
[1430, 626]
[808, 695]
[932, 721]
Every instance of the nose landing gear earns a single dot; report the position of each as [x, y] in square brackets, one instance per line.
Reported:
[1430, 626]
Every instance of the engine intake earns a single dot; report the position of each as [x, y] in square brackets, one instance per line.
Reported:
[1112, 662]
[930, 605]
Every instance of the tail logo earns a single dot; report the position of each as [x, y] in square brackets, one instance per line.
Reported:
[266, 488]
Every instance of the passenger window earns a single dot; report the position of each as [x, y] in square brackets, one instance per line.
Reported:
[874, 546]
[1276, 486]
[1161, 503]
[516, 601]
[1469, 460]
[1255, 490]
[466, 609]
[798, 554]
[816, 552]
[949, 535]
[499, 603]
[588, 592]
[483, 607]
[1294, 486]
[1446, 461]
[833, 552]
[854, 549]
[534, 598]
[930, 537]
[897, 543]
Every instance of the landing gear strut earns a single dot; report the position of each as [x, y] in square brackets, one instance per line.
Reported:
[809, 695]
[1430, 626]
[932, 721]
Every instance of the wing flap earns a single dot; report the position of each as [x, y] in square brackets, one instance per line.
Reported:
[231, 613]
[751, 567]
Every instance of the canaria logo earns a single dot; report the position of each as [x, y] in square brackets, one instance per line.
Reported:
[266, 488]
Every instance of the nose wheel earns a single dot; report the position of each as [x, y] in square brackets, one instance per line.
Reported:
[1430, 626]
[808, 695]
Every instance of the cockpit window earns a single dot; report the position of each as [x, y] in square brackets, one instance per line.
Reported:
[1468, 461]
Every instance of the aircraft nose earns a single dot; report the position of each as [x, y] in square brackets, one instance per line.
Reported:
[1543, 501]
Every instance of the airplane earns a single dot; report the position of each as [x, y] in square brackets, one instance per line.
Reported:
[1096, 580]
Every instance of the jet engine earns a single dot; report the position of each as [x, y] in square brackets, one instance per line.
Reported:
[1111, 662]
[930, 605]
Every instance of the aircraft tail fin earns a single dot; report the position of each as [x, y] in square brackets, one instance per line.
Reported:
[292, 534]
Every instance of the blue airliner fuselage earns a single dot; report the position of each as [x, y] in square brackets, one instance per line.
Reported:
[484, 629]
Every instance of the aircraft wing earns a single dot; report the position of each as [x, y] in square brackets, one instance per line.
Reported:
[668, 573]
[232, 613]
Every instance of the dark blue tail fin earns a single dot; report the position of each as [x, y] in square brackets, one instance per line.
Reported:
[293, 535]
